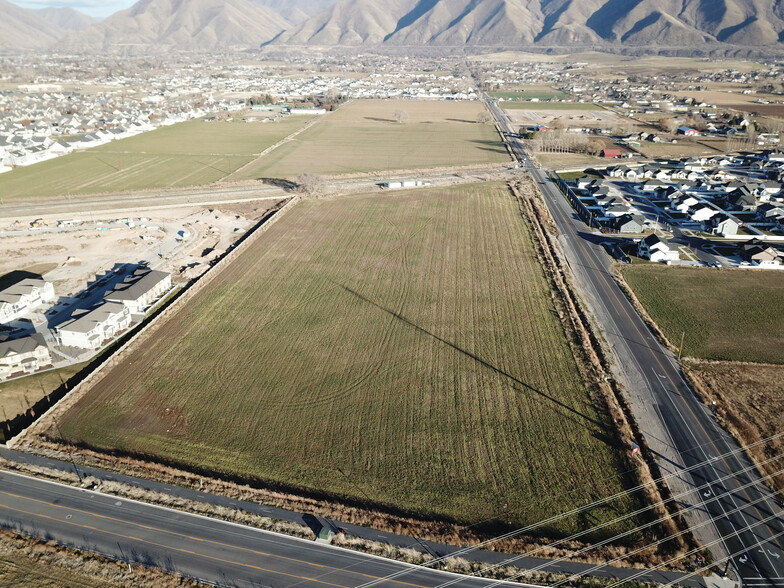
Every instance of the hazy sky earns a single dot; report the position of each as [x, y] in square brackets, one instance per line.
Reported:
[99, 8]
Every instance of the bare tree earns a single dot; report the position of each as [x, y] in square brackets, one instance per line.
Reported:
[594, 147]
[696, 122]
[667, 124]
[400, 116]
[484, 117]
[311, 185]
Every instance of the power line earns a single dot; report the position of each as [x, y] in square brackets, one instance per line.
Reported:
[670, 537]
[706, 568]
[697, 550]
[637, 529]
[575, 511]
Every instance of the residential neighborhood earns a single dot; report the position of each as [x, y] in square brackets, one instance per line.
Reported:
[36, 334]
[725, 206]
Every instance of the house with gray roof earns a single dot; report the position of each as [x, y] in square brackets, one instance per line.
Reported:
[23, 356]
[23, 297]
[139, 290]
[92, 329]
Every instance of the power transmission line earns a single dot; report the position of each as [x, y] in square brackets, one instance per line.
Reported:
[575, 511]
[697, 550]
[637, 529]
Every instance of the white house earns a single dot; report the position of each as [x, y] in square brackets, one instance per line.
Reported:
[653, 248]
[684, 203]
[23, 356]
[141, 289]
[23, 297]
[90, 330]
[702, 212]
[725, 225]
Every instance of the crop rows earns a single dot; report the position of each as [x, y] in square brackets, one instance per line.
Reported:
[402, 349]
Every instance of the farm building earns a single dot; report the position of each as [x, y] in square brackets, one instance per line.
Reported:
[139, 290]
[656, 249]
[688, 132]
[24, 296]
[611, 153]
[23, 356]
[90, 330]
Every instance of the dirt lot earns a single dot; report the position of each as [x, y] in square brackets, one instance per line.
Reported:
[571, 118]
[750, 398]
[73, 255]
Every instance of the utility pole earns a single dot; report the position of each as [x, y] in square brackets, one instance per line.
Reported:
[70, 453]
[680, 348]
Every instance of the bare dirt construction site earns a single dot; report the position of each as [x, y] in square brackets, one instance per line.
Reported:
[530, 114]
[71, 252]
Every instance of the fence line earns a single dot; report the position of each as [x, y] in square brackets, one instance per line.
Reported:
[149, 329]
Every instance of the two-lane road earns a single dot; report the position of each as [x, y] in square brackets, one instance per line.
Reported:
[216, 551]
[747, 519]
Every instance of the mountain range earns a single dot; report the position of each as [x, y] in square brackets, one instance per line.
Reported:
[223, 24]
[561, 23]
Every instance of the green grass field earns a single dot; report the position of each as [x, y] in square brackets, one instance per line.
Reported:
[725, 314]
[364, 136]
[187, 154]
[402, 347]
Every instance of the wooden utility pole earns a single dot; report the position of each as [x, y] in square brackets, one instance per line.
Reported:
[680, 348]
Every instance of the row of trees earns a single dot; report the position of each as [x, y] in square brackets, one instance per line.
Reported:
[562, 141]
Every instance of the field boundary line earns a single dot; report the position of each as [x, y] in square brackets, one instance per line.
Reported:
[271, 148]
[26, 437]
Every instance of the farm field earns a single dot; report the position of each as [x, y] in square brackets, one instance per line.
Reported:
[680, 149]
[363, 136]
[751, 398]
[187, 154]
[568, 161]
[724, 314]
[403, 349]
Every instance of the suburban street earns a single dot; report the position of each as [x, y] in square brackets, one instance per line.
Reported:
[678, 427]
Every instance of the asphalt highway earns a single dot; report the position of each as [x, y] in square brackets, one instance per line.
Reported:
[216, 551]
[748, 520]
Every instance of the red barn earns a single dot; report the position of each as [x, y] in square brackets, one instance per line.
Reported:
[611, 153]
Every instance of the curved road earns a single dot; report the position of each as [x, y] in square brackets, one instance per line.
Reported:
[747, 520]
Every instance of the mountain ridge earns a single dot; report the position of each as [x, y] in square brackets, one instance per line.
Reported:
[66, 18]
[207, 25]
[24, 29]
[605, 23]
[182, 24]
